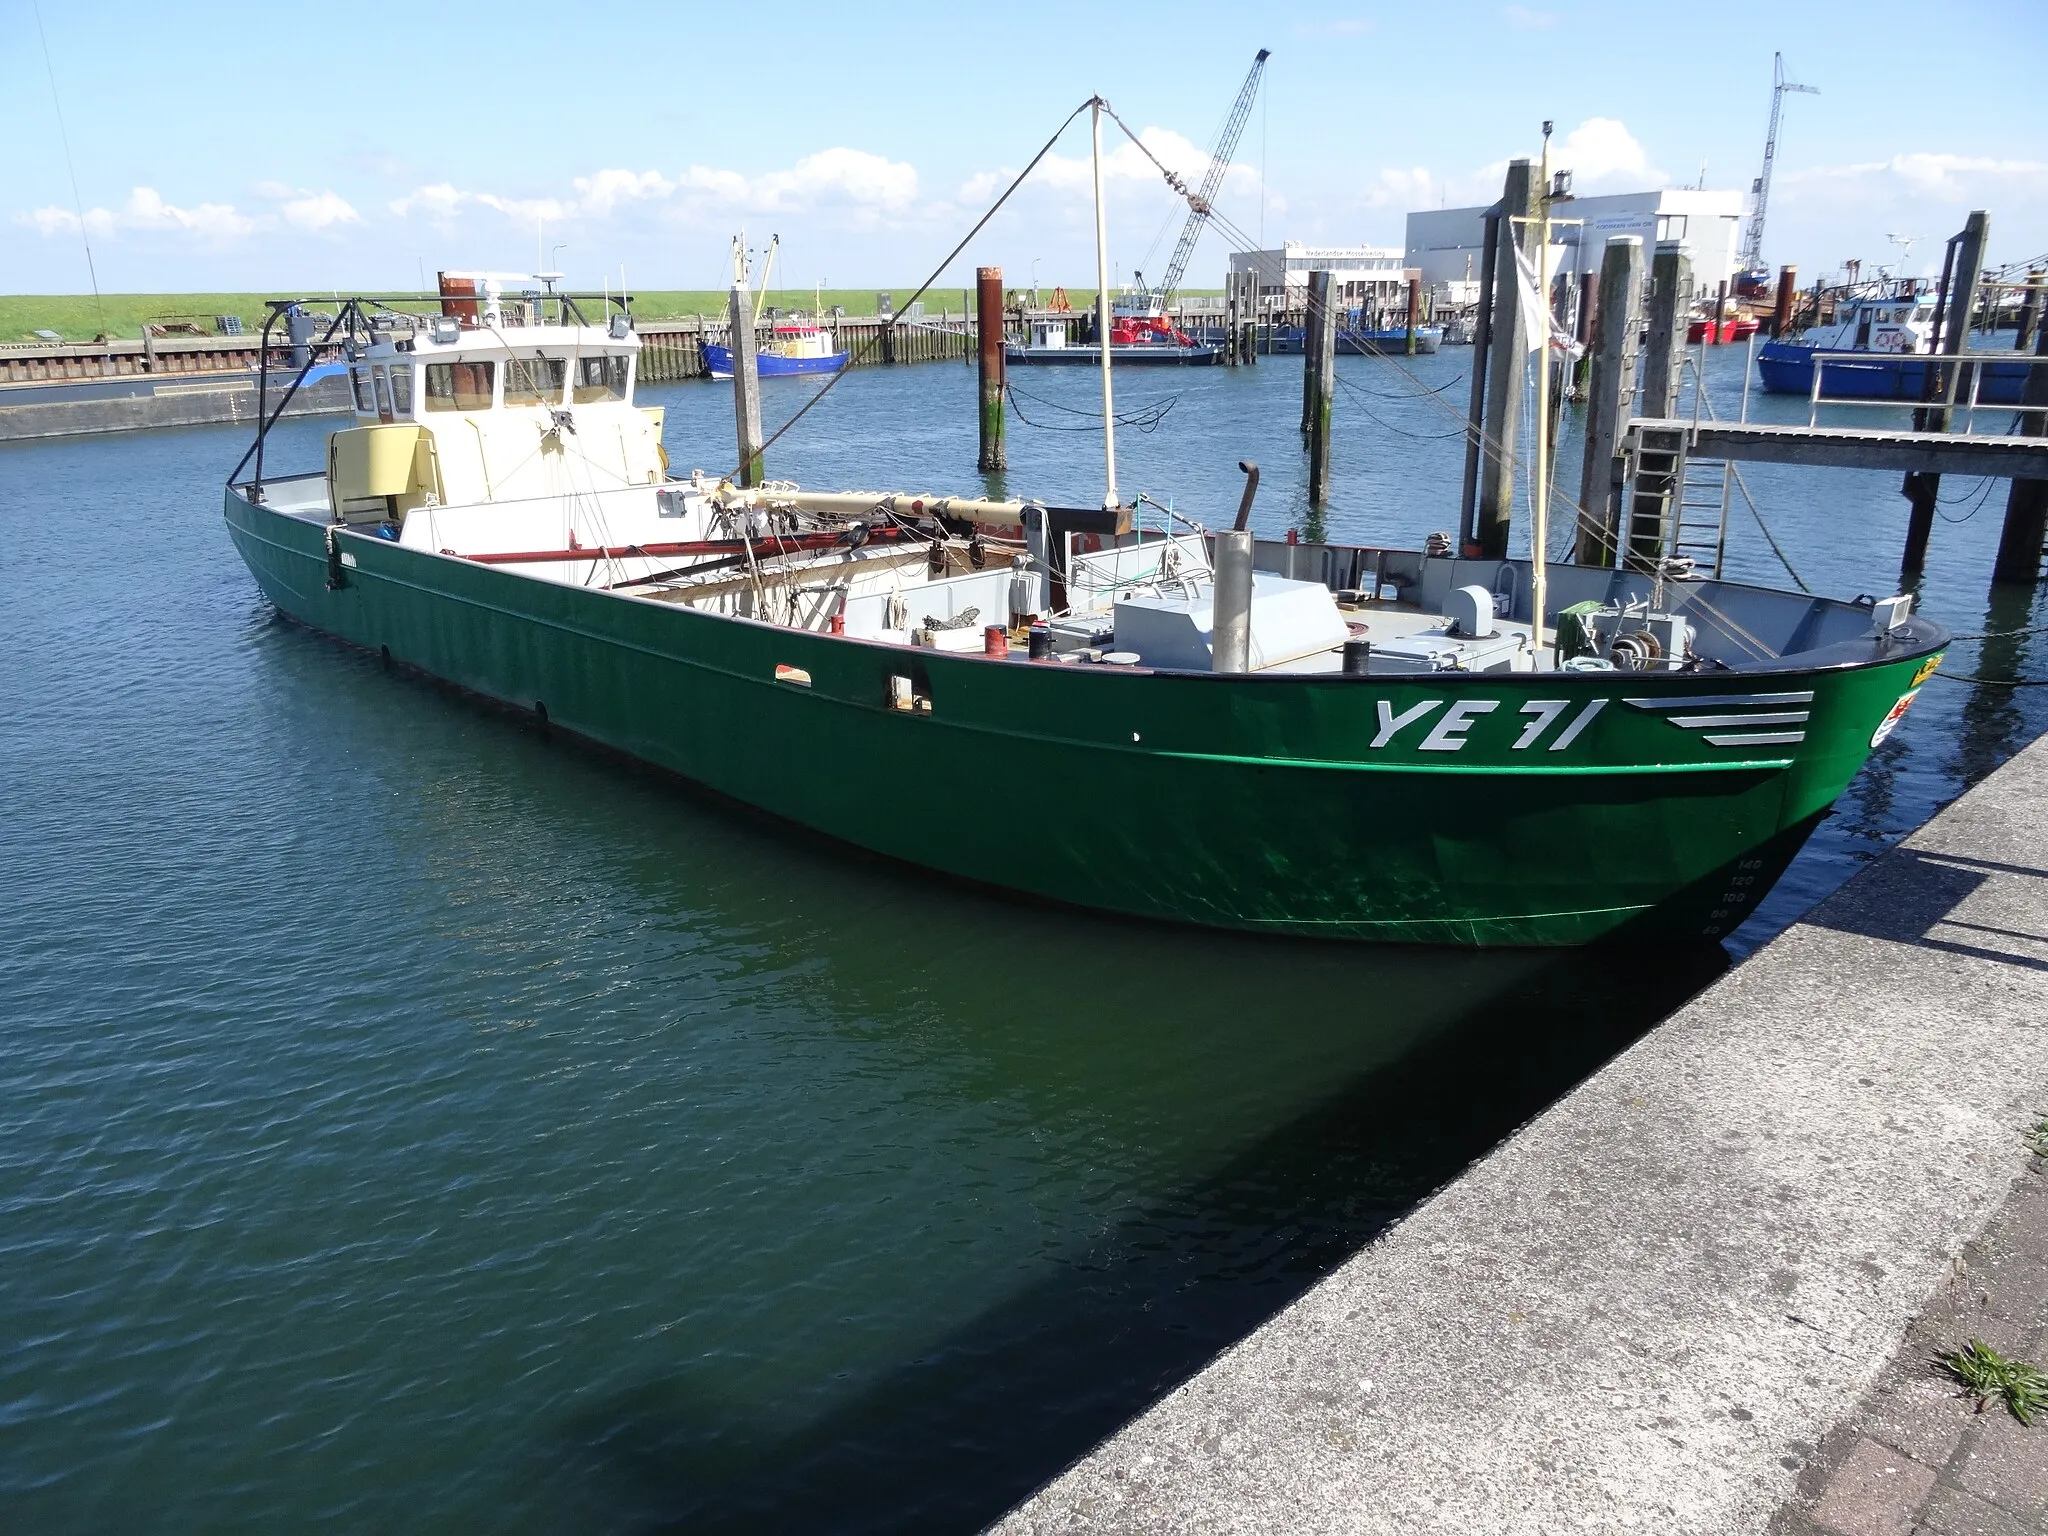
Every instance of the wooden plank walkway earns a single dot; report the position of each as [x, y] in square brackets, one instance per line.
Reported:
[1941, 453]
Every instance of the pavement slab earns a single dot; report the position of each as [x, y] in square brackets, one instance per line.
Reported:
[1690, 1294]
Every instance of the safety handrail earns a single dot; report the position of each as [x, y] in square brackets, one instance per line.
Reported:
[1815, 399]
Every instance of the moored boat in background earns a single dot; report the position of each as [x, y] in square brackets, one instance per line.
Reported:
[1875, 350]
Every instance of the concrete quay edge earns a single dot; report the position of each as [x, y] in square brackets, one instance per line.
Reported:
[1648, 1308]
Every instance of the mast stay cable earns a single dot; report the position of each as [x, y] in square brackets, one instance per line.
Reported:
[876, 339]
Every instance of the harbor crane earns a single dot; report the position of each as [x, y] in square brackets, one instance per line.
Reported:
[1201, 203]
[1752, 274]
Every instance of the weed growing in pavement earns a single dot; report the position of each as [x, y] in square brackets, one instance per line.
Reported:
[1987, 1374]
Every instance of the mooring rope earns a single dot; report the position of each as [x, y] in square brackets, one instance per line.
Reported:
[1144, 419]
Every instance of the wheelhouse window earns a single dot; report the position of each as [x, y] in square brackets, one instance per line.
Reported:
[460, 386]
[366, 399]
[535, 380]
[600, 378]
[401, 389]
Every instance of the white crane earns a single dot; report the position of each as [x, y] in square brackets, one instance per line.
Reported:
[1202, 204]
[1751, 262]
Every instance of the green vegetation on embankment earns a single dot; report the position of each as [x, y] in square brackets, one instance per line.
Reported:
[78, 317]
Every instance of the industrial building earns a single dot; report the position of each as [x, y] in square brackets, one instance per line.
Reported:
[1360, 275]
[1447, 244]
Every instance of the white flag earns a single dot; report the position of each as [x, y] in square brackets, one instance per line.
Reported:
[1535, 312]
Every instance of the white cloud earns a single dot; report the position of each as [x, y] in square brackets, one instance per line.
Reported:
[1528, 20]
[319, 210]
[849, 174]
[864, 185]
[1401, 188]
[603, 192]
[1602, 153]
[438, 202]
[146, 209]
[50, 221]
[1943, 177]
[526, 210]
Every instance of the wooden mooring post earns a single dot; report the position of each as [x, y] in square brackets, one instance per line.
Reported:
[1781, 311]
[1318, 299]
[1319, 348]
[1252, 301]
[1961, 273]
[1617, 315]
[1504, 364]
[1475, 415]
[746, 386]
[988, 316]
[1658, 473]
[2030, 310]
[2026, 504]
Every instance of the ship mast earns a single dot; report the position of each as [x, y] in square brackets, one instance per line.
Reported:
[1539, 489]
[1109, 496]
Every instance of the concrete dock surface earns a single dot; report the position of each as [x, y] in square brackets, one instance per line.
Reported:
[1702, 1292]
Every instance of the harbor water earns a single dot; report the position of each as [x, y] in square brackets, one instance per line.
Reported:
[414, 1121]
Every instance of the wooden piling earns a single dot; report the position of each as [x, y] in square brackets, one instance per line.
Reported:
[1781, 311]
[1230, 319]
[1505, 364]
[1670, 298]
[1588, 300]
[1320, 344]
[1965, 268]
[1617, 315]
[1720, 326]
[2026, 504]
[988, 319]
[746, 387]
[1318, 301]
[1658, 474]
[2031, 304]
[1414, 310]
[1475, 416]
[1254, 303]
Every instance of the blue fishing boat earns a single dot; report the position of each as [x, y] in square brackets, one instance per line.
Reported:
[791, 346]
[1876, 350]
[798, 347]
[1388, 340]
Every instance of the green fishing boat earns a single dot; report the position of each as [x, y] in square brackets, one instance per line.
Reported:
[1171, 723]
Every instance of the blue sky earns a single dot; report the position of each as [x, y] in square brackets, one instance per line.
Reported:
[220, 147]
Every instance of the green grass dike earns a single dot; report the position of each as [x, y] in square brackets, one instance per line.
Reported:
[121, 316]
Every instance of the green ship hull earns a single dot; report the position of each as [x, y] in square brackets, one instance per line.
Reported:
[1467, 809]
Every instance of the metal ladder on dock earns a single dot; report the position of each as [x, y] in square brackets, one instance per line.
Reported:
[1701, 491]
[1699, 528]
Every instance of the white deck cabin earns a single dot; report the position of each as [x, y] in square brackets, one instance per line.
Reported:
[484, 432]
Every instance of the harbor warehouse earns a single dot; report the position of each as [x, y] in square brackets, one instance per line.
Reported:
[1359, 274]
[1447, 244]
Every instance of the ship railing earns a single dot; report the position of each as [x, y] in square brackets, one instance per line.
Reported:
[1959, 372]
[356, 324]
